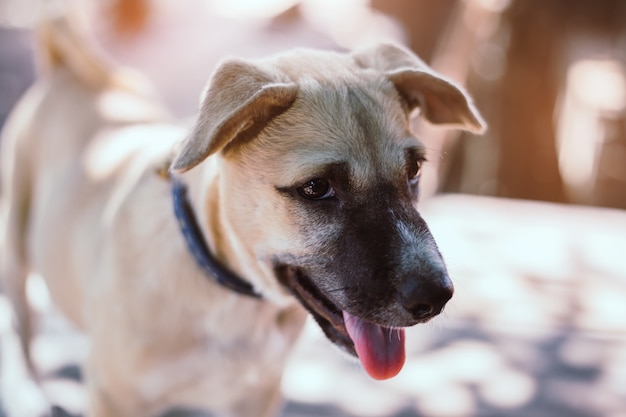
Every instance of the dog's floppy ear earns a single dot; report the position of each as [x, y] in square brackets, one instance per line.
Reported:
[440, 101]
[239, 102]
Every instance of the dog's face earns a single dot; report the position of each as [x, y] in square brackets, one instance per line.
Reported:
[323, 174]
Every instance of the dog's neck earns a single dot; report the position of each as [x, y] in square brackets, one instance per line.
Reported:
[198, 247]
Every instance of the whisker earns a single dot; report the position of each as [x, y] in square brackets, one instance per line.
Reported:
[393, 331]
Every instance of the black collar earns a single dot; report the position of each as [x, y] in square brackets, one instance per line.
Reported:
[198, 247]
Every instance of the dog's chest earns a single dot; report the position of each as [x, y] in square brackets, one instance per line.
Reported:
[236, 351]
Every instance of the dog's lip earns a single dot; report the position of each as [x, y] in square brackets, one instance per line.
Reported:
[325, 312]
[380, 348]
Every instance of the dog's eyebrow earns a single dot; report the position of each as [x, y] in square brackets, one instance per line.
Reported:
[415, 153]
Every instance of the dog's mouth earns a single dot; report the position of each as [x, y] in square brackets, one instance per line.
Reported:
[380, 349]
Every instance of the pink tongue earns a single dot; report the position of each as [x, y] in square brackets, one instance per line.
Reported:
[380, 349]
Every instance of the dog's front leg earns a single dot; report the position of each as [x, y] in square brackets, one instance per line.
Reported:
[109, 393]
[264, 402]
[100, 405]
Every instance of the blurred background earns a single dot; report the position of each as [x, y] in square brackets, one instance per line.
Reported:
[530, 216]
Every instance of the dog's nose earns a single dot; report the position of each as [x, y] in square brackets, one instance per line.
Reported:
[425, 298]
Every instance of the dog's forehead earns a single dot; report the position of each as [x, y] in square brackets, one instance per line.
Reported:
[356, 121]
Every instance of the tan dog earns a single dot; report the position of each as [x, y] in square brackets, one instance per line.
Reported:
[301, 175]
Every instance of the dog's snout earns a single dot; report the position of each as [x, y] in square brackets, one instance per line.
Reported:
[425, 298]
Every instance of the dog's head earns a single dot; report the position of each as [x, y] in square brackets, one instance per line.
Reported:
[323, 178]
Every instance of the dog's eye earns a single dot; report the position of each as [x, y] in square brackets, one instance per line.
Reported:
[316, 189]
[414, 171]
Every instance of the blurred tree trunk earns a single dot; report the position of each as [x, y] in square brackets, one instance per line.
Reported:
[528, 163]
[520, 104]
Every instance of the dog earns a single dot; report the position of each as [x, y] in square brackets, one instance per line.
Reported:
[191, 258]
